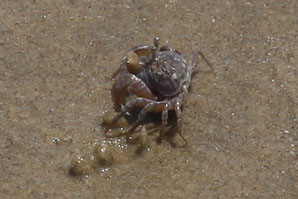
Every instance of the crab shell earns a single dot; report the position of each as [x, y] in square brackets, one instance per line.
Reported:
[167, 74]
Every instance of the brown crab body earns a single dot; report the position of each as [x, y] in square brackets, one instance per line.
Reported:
[158, 77]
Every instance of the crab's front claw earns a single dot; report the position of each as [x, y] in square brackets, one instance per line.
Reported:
[133, 61]
[129, 83]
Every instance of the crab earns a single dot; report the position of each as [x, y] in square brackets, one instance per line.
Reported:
[159, 78]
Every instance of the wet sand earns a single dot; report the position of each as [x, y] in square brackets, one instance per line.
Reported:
[56, 59]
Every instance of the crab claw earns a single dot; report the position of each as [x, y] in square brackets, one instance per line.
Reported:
[129, 83]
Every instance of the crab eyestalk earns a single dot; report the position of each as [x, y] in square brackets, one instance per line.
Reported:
[155, 47]
[156, 42]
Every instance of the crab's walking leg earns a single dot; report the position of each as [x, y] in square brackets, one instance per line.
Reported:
[179, 121]
[153, 106]
[195, 59]
[138, 102]
[164, 117]
[141, 117]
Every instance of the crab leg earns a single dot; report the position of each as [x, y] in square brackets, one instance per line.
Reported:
[195, 59]
[141, 117]
[149, 106]
[164, 117]
[152, 106]
[179, 122]
[138, 102]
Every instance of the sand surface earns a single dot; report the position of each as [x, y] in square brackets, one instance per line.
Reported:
[56, 60]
